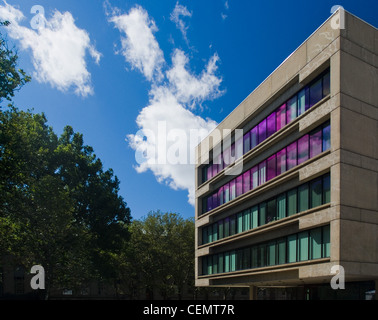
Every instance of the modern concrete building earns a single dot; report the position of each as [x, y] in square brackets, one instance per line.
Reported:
[303, 197]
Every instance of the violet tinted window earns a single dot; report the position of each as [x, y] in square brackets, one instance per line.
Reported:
[316, 92]
[262, 172]
[215, 169]
[326, 137]
[254, 137]
[247, 142]
[262, 130]
[291, 110]
[271, 167]
[246, 181]
[209, 172]
[281, 161]
[220, 196]
[209, 203]
[271, 124]
[254, 177]
[239, 185]
[303, 149]
[281, 117]
[226, 192]
[215, 200]
[232, 189]
[315, 143]
[291, 155]
[326, 84]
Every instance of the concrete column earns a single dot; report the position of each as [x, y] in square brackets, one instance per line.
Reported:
[253, 293]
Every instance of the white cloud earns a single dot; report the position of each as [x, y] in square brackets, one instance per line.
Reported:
[139, 46]
[177, 12]
[174, 95]
[193, 89]
[58, 49]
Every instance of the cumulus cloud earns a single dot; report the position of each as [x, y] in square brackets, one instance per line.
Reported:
[139, 46]
[175, 17]
[58, 49]
[168, 127]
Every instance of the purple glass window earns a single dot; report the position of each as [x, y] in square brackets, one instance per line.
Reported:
[246, 181]
[302, 101]
[281, 161]
[247, 142]
[220, 196]
[271, 167]
[315, 143]
[271, 124]
[291, 155]
[215, 169]
[303, 149]
[254, 137]
[262, 130]
[209, 203]
[316, 92]
[239, 185]
[326, 137]
[232, 189]
[262, 172]
[326, 85]
[291, 110]
[226, 193]
[215, 200]
[209, 172]
[281, 117]
[254, 177]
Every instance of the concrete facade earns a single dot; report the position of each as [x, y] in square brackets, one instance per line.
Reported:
[351, 54]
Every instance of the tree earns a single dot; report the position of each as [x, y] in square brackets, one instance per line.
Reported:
[11, 77]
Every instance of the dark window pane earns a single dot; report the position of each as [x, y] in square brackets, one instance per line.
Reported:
[214, 168]
[316, 243]
[291, 111]
[303, 246]
[326, 137]
[262, 130]
[239, 222]
[215, 200]
[226, 191]
[292, 202]
[291, 155]
[271, 254]
[215, 231]
[204, 205]
[220, 196]
[246, 220]
[247, 142]
[316, 92]
[271, 124]
[303, 149]
[326, 84]
[255, 216]
[246, 258]
[221, 229]
[232, 189]
[292, 248]
[271, 167]
[281, 117]
[326, 189]
[204, 174]
[226, 227]
[232, 225]
[262, 214]
[209, 203]
[281, 247]
[209, 172]
[316, 193]
[281, 206]
[204, 235]
[326, 241]
[271, 211]
[281, 161]
[239, 185]
[254, 137]
[220, 263]
[303, 197]
[315, 143]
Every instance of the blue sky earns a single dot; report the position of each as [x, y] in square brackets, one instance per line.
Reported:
[111, 68]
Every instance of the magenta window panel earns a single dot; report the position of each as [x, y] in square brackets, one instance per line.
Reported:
[247, 142]
[239, 185]
[303, 149]
[291, 110]
[209, 172]
[254, 177]
[246, 181]
[291, 155]
[315, 143]
[254, 137]
[271, 124]
[281, 117]
[271, 167]
[281, 161]
[262, 130]
[232, 189]
[262, 172]
[326, 138]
